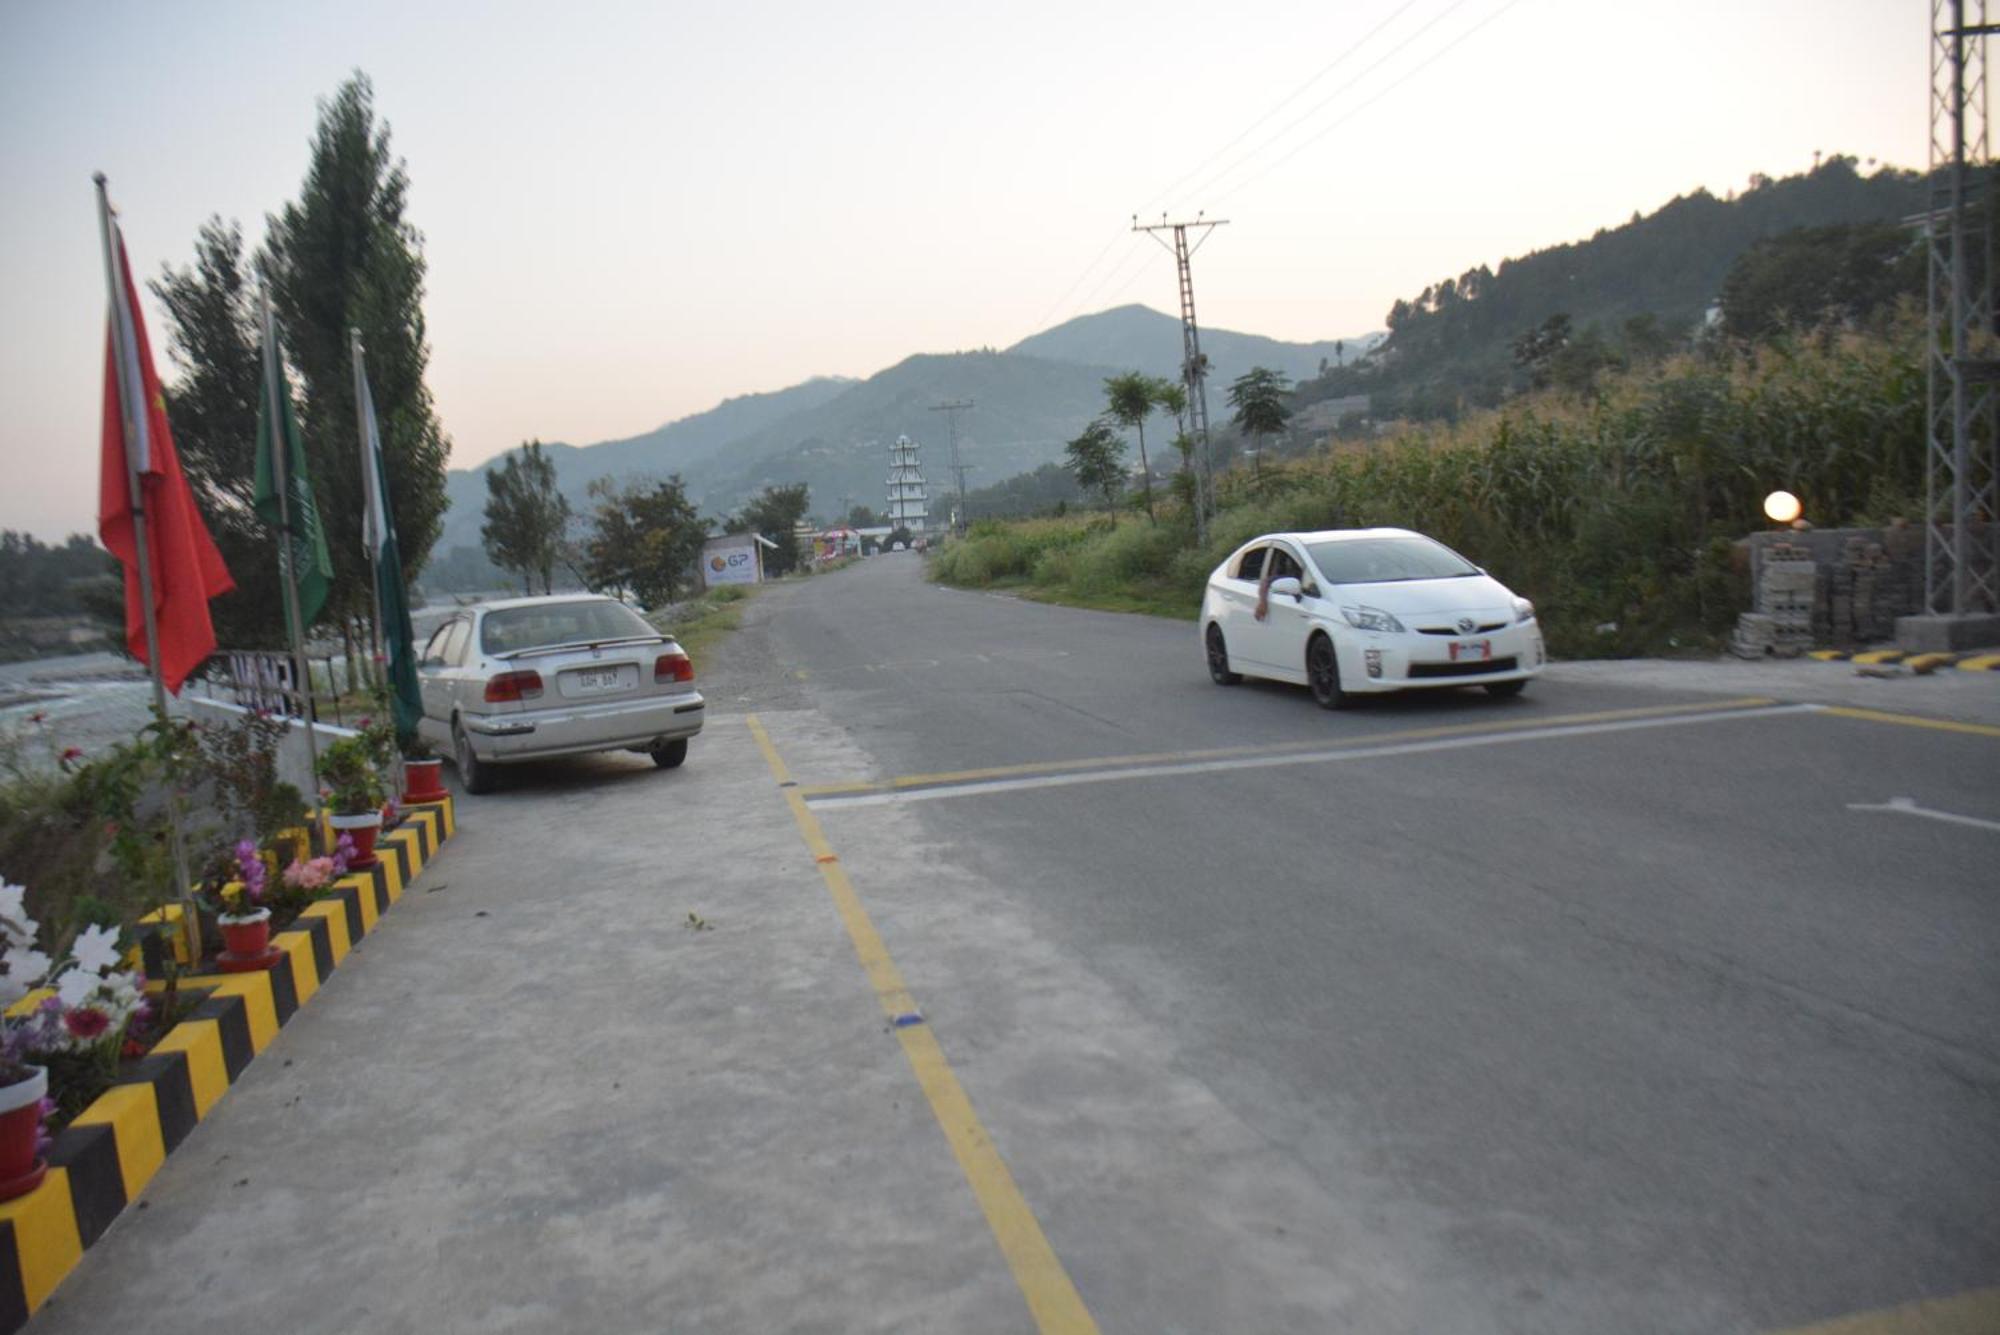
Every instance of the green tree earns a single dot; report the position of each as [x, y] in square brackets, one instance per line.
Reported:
[526, 517]
[1844, 274]
[345, 257]
[645, 539]
[1097, 459]
[1131, 398]
[212, 343]
[1257, 401]
[775, 514]
[862, 516]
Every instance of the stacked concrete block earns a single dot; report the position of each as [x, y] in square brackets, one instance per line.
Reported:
[1784, 599]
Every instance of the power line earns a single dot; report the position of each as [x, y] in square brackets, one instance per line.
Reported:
[1282, 103]
[1419, 68]
[1213, 181]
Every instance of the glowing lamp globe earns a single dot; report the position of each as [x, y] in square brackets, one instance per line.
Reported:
[1781, 507]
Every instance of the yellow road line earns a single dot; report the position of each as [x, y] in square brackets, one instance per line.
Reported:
[1980, 663]
[1912, 720]
[1975, 1313]
[1275, 748]
[1052, 1298]
[1880, 656]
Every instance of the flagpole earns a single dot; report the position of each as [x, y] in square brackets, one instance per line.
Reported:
[377, 492]
[280, 449]
[128, 397]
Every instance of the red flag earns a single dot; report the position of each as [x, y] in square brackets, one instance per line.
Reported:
[186, 568]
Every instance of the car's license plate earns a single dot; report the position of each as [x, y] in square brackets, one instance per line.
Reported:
[591, 681]
[1471, 651]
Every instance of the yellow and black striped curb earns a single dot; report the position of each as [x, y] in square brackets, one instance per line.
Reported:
[104, 1158]
[1968, 662]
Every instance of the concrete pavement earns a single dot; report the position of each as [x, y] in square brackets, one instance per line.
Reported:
[1547, 1026]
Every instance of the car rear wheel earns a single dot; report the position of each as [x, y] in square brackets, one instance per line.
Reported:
[1501, 690]
[475, 775]
[670, 755]
[1323, 674]
[1218, 659]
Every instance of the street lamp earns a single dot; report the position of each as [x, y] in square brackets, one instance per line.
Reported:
[1781, 507]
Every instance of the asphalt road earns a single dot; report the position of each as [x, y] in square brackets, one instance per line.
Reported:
[1600, 1009]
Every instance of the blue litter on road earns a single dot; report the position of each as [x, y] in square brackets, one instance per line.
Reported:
[904, 1021]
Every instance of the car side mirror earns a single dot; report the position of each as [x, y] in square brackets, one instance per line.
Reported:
[1288, 587]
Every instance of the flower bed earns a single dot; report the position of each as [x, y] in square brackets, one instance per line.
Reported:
[105, 1156]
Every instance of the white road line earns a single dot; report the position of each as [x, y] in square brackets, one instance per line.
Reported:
[1170, 769]
[1907, 806]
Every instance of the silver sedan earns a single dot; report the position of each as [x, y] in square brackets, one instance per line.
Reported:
[529, 678]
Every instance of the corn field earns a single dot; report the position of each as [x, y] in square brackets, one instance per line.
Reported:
[1617, 514]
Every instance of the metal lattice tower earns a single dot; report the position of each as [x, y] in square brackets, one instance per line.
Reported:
[951, 410]
[1194, 366]
[1961, 573]
[909, 501]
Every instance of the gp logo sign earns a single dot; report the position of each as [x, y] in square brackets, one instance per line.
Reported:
[731, 565]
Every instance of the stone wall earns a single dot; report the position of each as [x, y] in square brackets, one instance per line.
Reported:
[1862, 579]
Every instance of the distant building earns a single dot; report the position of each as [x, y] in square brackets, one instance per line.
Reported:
[909, 501]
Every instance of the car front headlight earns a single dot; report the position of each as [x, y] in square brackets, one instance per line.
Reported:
[1523, 610]
[1371, 618]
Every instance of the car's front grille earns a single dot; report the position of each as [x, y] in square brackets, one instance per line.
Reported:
[1477, 668]
[1484, 628]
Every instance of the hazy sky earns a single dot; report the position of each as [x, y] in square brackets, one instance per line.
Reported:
[632, 211]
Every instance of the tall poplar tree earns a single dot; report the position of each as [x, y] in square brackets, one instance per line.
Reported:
[345, 256]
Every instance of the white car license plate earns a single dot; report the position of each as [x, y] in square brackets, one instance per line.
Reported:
[1471, 651]
[596, 681]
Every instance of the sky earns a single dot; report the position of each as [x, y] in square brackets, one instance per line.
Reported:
[632, 211]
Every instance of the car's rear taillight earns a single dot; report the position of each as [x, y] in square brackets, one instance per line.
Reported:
[512, 686]
[673, 667]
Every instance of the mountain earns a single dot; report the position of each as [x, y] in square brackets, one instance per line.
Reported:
[1140, 338]
[1627, 290]
[674, 448]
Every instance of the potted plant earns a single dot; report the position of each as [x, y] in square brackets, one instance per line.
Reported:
[354, 788]
[236, 896]
[87, 1002]
[423, 772]
[380, 739]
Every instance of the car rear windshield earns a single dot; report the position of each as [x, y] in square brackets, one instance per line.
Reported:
[515, 628]
[1381, 560]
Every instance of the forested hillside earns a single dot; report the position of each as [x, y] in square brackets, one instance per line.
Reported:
[1644, 286]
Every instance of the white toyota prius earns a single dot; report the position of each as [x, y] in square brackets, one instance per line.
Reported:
[1364, 610]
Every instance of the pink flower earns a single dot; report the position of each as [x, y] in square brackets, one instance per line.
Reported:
[86, 1022]
[71, 754]
[38, 717]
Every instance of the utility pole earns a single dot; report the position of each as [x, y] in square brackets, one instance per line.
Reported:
[1194, 366]
[951, 410]
[1961, 564]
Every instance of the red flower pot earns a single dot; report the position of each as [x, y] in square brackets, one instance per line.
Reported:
[247, 934]
[423, 780]
[362, 829]
[21, 1170]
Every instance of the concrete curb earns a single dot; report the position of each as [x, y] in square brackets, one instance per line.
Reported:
[104, 1159]
[1978, 661]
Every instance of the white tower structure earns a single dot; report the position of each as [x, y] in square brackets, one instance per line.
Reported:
[909, 503]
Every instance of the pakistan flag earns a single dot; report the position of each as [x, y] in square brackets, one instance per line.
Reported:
[297, 520]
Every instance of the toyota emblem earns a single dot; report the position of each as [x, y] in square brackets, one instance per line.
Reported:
[1465, 625]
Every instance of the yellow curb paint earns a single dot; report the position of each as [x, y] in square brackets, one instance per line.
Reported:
[1279, 748]
[1926, 662]
[1052, 1299]
[133, 1114]
[364, 895]
[260, 1008]
[45, 1236]
[1880, 656]
[208, 1075]
[1911, 720]
[1980, 663]
[1974, 1313]
[1827, 655]
[335, 913]
[305, 969]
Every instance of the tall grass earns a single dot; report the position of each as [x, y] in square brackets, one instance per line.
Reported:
[1615, 513]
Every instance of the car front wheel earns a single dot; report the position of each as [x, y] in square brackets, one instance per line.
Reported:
[1323, 674]
[1218, 659]
[477, 776]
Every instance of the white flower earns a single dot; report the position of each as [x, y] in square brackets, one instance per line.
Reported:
[25, 967]
[76, 987]
[11, 905]
[96, 949]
